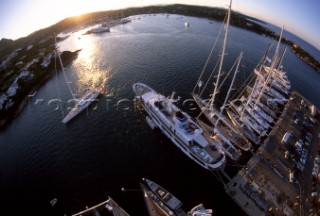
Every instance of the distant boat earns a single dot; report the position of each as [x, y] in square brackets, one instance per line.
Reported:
[100, 29]
[53, 202]
[104, 208]
[186, 24]
[125, 20]
[83, 102]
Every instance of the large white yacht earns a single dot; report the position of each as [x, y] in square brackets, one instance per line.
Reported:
[178, 126]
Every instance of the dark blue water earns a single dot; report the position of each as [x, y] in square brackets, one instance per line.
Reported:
[110, 146]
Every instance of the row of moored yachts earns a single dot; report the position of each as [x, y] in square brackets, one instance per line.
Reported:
[236, 126]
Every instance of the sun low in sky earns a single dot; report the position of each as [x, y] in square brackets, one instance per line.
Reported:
[19, 18]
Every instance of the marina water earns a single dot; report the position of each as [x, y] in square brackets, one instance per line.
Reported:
[110, 146]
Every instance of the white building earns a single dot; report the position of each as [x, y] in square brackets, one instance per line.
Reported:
[46, 60]
[12, 90]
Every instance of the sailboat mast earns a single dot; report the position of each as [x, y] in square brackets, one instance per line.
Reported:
[276, 54]
[281, 58]
[222, 58]
[266, 82]
[60, 61]
[257, 78]
[230, 89]
[272, 67]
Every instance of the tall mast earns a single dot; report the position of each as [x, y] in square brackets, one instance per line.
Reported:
[64, 73]
[276, 53]
[230, 89]
[222, 58]
[272, 67]
[258, 69]
[281, 58]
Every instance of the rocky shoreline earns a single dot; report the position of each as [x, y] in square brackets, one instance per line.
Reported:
[14, 112]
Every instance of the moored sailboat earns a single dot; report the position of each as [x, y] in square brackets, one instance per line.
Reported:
[214, 115]
[265, 100]
[82, 103]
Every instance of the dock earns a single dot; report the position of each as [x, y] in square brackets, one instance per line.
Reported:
[282, 178]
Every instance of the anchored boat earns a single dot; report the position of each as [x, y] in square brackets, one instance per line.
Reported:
[165, 203]
[84, 101]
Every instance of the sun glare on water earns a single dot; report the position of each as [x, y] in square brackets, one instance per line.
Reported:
[90, 74]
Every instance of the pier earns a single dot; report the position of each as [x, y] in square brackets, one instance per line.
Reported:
[281, 178]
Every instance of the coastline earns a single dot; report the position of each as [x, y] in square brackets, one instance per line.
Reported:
[67, 58]
[237, 20]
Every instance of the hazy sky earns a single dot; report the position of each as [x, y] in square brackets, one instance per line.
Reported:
[18, 18]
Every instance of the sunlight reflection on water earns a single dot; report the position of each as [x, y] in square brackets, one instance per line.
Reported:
[89, 74]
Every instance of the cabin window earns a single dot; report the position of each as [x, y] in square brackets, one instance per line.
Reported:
[180, 116]
[159, 105]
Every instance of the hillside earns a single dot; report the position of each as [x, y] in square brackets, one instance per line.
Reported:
[26, 63]
[239, 20]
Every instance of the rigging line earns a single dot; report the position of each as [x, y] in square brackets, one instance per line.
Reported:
[252, 76]
[205, 86]
[268, 77]
[239, 87]
[209, 57]
[55, 68]
[276, 53]
[64, 73]
[225, 78]
[242, 87]
[281, 59]
[230, 89]
[235, 165]
[218, 177]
